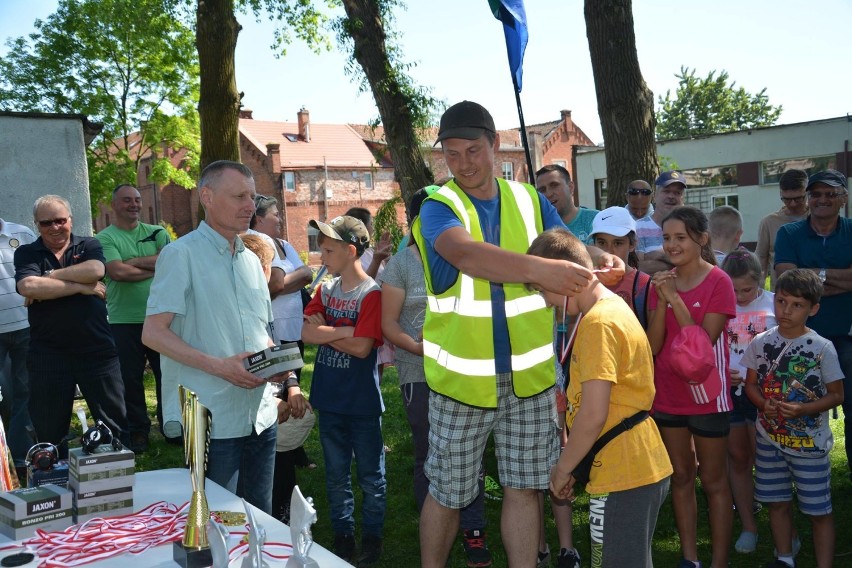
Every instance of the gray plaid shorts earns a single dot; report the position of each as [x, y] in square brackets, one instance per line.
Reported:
[526, 441]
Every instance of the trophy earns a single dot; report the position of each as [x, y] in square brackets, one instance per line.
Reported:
[194, 550]
[256, 538]
[302, 516]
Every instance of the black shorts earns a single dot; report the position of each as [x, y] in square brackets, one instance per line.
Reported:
[716, 425]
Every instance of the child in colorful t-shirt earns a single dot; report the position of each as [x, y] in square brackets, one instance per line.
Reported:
[794, 379]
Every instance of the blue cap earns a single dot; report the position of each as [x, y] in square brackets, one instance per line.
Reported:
[828, 177]
[668, 178]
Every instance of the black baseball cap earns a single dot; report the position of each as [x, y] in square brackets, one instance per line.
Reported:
[828, 177]
[344, 228]
[467, 119]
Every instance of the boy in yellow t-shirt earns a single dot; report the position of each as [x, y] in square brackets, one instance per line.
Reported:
[612, 378]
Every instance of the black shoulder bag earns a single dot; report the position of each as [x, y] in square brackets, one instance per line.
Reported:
[584, 468]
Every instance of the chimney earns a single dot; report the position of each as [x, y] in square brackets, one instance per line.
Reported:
[566, 119]
[273, 152]
[536, 151]
[304, 118]
[246, 113]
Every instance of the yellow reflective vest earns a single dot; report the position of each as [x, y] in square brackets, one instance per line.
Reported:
[458, 346]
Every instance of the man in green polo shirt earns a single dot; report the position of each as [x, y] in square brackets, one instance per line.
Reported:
[131, 249]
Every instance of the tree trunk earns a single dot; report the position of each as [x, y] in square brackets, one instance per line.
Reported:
[219, 102]
[625, 103]
[364, 25]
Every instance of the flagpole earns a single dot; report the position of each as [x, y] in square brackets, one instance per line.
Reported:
[524, 140]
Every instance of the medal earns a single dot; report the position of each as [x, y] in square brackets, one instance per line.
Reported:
[14, 243]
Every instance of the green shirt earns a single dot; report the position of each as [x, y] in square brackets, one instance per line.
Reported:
[126, 301]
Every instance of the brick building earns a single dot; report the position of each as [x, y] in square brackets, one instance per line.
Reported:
[552, 142]
[318, 171]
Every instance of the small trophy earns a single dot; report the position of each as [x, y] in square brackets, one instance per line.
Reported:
[256, 538]
[194, 550]
[302, 516]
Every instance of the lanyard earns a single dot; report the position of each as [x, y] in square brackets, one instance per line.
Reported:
[567, 342]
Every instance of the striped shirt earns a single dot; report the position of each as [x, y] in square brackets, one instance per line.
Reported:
[13, 314]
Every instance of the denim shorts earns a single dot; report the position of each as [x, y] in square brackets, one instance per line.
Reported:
[715, 425]
[743, 411]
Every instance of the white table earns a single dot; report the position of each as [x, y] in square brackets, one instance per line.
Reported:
[173, 486]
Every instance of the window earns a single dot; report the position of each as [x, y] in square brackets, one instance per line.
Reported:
[289, 181]
[731, 199]
[313, 245]
[600, 193]
[368, 180]
[771, 170]
[562, 163]
[508, 171]
[711, 177]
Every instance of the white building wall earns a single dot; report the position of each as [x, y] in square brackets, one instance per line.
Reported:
[42, 155]
[807, 139]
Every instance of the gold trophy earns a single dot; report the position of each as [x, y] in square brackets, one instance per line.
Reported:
[194, 550]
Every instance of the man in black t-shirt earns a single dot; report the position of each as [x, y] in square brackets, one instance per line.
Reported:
[70, 340]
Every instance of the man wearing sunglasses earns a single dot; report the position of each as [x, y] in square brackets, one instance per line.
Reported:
[70, 340]
[822, 242]
[792, 187]
[670, 188]
[639, 194]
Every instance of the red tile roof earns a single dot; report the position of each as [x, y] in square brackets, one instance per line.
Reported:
[338, 144]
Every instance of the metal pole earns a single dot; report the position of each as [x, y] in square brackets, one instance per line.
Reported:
[524, 140]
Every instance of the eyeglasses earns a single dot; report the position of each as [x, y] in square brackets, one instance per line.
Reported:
[59, 222]
[830, 195]
[635, 191]
[791, 200]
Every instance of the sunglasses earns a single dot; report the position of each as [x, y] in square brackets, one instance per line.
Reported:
[634, 191]
[828, 195]
[59, 222]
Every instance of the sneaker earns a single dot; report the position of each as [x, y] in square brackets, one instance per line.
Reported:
[779, 564]
[746, 543]
[371, 550]
[543, 558]
[138, 442]
[344, 546]
[476, 549]
[493, 490]
[797, 546]
[684, 563]
[568, 558]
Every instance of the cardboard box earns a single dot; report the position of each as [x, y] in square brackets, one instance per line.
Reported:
[108, 474]
[110, 509]
[57, 475]
[274, 360]
[81, 464]
[102, 481]
[22, 511]
[90, 498]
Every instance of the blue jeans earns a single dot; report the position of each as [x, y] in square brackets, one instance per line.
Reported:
[14, 386]
[843, 345]
[340, 436]
[244, 466]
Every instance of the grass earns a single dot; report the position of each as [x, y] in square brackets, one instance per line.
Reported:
[401, 527]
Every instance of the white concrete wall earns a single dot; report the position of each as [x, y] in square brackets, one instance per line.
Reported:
[42, 155]
[807, 139]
